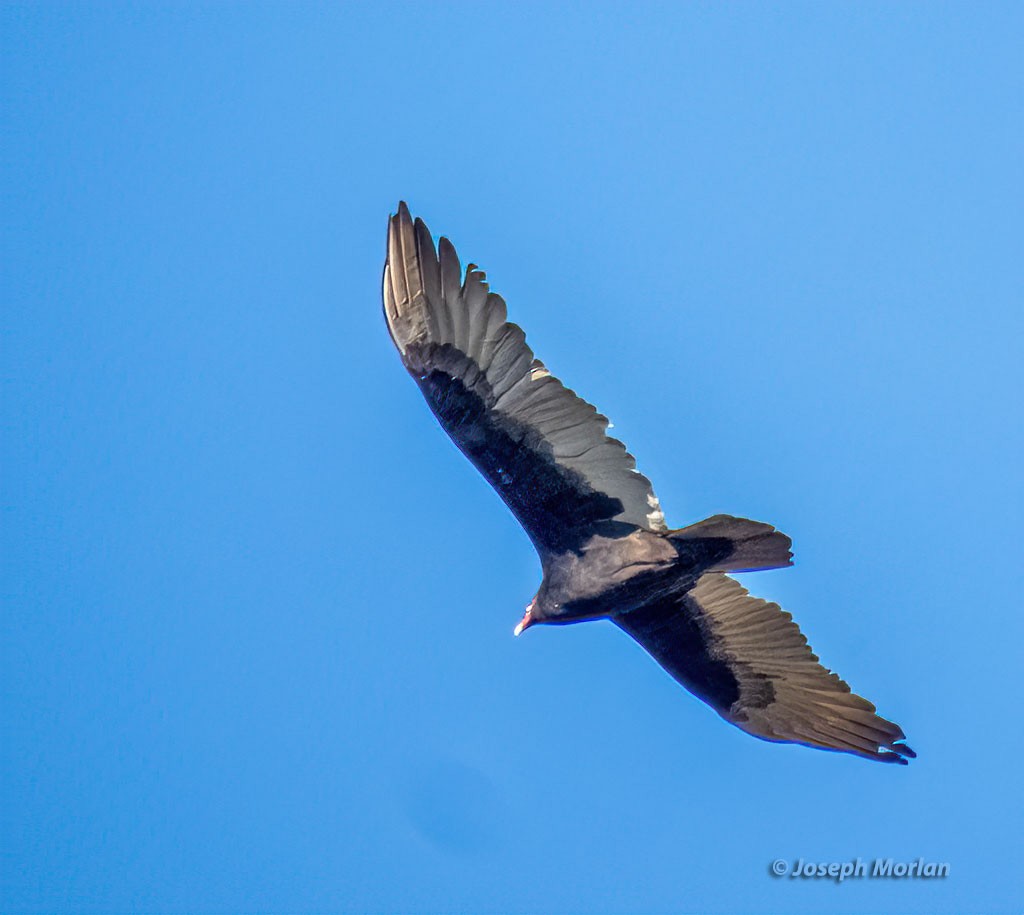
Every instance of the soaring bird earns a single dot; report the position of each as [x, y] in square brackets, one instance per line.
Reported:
[604, 546]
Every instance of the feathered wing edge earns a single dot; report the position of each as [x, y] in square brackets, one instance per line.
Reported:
[785, 693]
[747, 659]
[426, 302]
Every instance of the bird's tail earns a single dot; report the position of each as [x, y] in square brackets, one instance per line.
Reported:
[734, 544]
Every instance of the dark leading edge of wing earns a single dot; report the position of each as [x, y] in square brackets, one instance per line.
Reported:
[540, 446]
[748, 660]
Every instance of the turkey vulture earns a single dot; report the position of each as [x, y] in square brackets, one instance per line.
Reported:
[605, 549]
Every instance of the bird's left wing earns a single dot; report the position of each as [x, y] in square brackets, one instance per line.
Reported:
[540, 446]
[748, 660]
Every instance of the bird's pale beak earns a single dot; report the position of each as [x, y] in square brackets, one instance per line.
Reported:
[527, 621]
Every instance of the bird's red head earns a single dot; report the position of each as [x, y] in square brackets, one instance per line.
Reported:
[527, 621]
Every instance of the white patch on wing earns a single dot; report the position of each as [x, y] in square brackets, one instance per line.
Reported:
[655, 518]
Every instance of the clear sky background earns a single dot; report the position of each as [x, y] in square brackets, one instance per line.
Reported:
[257, 645]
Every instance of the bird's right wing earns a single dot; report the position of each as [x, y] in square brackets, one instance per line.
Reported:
[540, 446]
[748, 660]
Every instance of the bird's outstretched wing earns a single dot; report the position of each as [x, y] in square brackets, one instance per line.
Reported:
[748, 660]
[540, 446]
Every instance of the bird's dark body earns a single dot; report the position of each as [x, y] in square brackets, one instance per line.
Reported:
[604, 546]
[640, 582]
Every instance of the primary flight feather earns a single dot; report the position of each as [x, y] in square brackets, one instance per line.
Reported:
[596, 523]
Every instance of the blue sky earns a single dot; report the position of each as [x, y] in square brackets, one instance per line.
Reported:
[257, 647]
